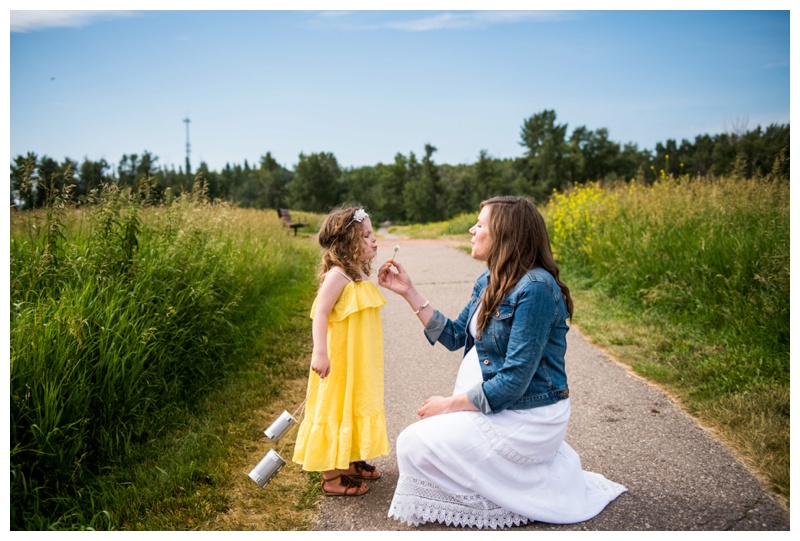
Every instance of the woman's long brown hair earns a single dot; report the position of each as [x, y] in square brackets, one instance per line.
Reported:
[519, 243]
[340, 236]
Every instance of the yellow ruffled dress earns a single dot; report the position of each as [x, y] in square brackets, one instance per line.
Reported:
[344, 419]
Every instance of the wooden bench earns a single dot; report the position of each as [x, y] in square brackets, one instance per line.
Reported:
[286, 220]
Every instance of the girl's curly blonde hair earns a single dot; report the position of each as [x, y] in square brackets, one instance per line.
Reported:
[341, 236]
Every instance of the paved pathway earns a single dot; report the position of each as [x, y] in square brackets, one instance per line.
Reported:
[678, 476]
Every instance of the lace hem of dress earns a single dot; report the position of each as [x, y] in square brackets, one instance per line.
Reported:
[417, 501]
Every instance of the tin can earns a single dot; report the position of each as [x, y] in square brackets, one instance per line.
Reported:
[280, 427]
[267, 468]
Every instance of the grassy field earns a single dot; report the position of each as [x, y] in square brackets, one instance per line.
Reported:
[150, 344]
[686, 281]
[697, 273]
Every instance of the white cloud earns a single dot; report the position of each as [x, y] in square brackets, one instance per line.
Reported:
[773, 65]
[440, 21]
[473, 19]
[31, 21]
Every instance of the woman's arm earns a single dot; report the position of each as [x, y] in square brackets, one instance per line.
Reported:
[438, 327]
[332, 286]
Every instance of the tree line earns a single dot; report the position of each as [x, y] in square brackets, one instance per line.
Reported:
[417, 189]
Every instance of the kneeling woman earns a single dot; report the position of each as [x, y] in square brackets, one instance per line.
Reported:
[493, 454]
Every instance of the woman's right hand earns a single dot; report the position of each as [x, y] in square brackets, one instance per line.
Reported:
[395, 280]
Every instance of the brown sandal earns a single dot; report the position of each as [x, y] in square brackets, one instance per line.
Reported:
[347, 482]
[361, 466]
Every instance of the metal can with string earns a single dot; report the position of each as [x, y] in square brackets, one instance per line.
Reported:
[269, 466]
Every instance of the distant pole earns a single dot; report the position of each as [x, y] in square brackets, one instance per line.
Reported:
[188, 167]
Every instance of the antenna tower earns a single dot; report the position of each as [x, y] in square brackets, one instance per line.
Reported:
[188, 167]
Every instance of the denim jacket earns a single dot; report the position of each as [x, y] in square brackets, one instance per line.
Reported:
[522, 348]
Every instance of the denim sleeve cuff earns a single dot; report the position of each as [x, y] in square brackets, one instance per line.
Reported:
[478, 399]
[435, 326]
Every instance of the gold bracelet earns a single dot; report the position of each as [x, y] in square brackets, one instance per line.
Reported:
[420, 308]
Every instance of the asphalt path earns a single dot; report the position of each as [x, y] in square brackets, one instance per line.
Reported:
[678, 476]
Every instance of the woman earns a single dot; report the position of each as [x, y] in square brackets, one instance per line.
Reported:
[493, 454]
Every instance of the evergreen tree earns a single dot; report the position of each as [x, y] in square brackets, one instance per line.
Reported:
[394, 177]
[488, 182]
[91, 175]
[422, 194]
[23, 181]
[546, 149]
[316, 185]
[270, 183]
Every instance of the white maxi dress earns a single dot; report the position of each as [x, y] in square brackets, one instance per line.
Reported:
[499, 470]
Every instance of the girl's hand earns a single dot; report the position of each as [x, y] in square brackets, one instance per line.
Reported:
[395, 280]
[321, 365]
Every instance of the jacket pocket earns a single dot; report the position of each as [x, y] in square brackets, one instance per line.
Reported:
[500, 326]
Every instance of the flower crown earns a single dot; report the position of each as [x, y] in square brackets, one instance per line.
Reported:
[359, 216]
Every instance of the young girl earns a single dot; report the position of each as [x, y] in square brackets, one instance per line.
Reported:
[345, 422]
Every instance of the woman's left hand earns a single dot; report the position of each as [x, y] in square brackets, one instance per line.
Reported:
[436, 405]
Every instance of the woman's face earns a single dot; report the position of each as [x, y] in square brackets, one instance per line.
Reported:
[369, 243]
[481, 241]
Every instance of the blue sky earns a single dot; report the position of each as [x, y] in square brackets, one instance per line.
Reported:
[365, 85]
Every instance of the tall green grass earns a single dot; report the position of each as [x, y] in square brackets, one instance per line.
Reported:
[123, 315]
[711, 254]
[703, 264]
